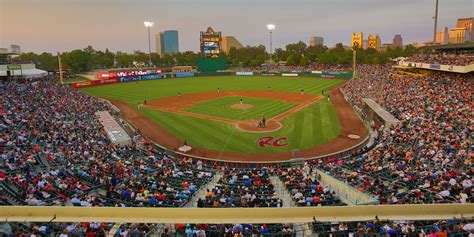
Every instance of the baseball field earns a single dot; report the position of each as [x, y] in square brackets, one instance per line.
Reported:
[220, 115]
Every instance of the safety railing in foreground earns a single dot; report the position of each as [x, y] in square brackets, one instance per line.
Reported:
[235, 215]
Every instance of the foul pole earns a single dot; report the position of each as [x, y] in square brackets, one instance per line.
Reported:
[60, 68]
[354, 62]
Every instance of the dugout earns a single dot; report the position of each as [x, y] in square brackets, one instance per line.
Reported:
[377, 115]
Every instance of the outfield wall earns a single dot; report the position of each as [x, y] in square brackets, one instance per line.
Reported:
[142, 76]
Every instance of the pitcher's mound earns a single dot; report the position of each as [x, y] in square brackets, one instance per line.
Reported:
[252, 126]
[241, 106]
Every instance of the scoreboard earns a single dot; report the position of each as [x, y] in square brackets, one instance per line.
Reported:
[210, 43]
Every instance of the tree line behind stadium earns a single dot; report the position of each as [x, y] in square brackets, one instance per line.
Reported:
[297, 54]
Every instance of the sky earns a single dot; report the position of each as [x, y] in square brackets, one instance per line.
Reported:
[63, 25]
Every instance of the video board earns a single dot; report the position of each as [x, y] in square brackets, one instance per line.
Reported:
[210, 43]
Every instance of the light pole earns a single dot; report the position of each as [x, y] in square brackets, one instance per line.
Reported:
[271, 27]
[148, 25]
[435, 23]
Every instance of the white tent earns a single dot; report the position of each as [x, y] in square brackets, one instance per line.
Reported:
[29, 73]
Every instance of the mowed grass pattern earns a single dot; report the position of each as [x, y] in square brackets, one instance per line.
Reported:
[312, 126]
[222, 108]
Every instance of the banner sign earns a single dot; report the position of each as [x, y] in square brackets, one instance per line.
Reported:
[435, 66]
[131, 78]
[289, 74]
[317, 72]
[185, 74]
[151, 77]
[244, 73]
[267, 74]
[81, 84]
[328, 76]
[106, 81]
[127, 73]
[14, 67]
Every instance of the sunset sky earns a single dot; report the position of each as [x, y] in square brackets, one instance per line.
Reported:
[61, 25]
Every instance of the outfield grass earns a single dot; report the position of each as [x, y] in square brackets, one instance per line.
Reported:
[222, 108]
[312, 126]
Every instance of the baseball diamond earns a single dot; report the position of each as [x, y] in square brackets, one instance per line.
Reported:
[195, 110]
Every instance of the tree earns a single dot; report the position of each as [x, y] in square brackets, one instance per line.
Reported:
[299, 48]
[44, 61]
[409, 50]
[123, 60]
[290, 61]
[313, 52]
[304, 61]
[78, 60]
[167, 60]
[140, 57]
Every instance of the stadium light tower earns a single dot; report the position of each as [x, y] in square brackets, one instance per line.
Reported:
[435, 22]
[148, 25]
[271, 27]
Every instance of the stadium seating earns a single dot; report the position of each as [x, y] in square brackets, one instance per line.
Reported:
[54, 150]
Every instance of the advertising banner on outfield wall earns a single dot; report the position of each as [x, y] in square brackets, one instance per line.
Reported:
[131, 78]
[328, 76]
[81, 84]
[106, 81]
[289, 74]
[185, 74]
[127, 73]
[244, 73]
[151, 77]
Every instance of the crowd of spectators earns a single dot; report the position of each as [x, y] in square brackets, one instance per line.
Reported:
[88, 229]
[373, 228]
[309, 68]
[404, 228]
[54, 150]
[427, 158]
[242, 188]
[304, 185]
[443, 58]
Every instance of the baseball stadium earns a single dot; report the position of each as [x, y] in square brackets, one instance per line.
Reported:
[368, 139]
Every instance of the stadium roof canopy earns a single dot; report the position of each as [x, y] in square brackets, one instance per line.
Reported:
[463, 46]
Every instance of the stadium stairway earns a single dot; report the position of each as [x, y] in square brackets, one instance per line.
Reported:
[301, 229]
[282, 192]
[202, 190]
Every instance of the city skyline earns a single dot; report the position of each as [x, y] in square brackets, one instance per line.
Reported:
[54, 25]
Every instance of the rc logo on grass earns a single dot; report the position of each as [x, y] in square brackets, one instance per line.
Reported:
[272, 141]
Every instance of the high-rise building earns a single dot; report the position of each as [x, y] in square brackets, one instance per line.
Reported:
[374, 41]
[398, 41]
[167, 42]
[159, 43]
[458, 35]
[229, 42]
[468, 24]
[442, 36]
[316, 40]
[357, 40]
